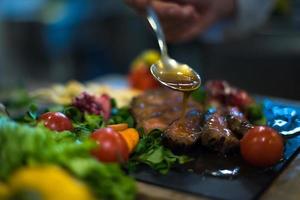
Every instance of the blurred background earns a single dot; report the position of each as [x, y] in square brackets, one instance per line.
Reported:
[46, 41]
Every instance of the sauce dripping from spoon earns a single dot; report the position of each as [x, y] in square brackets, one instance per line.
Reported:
[185, 100]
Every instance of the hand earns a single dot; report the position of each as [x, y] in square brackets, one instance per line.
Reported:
[183, 20]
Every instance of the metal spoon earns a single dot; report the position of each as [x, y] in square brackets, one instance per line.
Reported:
[168, 71]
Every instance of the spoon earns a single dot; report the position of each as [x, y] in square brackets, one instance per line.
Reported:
[168, 71]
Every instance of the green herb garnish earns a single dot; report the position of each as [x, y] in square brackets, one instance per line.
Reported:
[150, 151]
[199, 95]
[121, 115]
[255, 114]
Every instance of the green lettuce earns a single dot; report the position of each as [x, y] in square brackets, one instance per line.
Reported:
[150, 151]
[23, 145]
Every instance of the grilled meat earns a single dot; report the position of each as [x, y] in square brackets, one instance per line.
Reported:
[237, 122]
[157, 109]
[216, 134]
[184, 133]
[161, 109]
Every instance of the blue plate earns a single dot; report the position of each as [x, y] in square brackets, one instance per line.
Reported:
[282, 117]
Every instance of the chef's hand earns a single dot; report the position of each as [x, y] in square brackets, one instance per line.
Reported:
[183, 20]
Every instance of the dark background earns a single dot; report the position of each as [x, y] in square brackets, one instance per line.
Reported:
[63, 40]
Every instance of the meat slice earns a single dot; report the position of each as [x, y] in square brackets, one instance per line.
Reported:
[160, 123]
[237, 122]
[157, 109]
[184, 133]
[216, 135]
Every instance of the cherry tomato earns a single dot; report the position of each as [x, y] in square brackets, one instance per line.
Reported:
[262, 146]
[56, 121]
[112, 147]
[142, 79]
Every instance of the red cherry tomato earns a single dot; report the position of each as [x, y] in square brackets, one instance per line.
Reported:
[56, 121]
[112, 147]
[142, 79]
[262, 146]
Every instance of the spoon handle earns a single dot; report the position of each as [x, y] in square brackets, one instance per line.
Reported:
[155, 24]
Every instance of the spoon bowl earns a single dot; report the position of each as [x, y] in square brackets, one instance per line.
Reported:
[177, 76]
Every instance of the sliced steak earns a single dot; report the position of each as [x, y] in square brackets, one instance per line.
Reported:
[216, 135]
[184, 133]
[157, 109]
[161, 109]
[237, 122]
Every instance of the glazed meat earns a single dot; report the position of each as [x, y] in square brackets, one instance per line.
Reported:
[216, 134]
[185, 133]
[157, 109]
[237, 122]
[219, 130]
